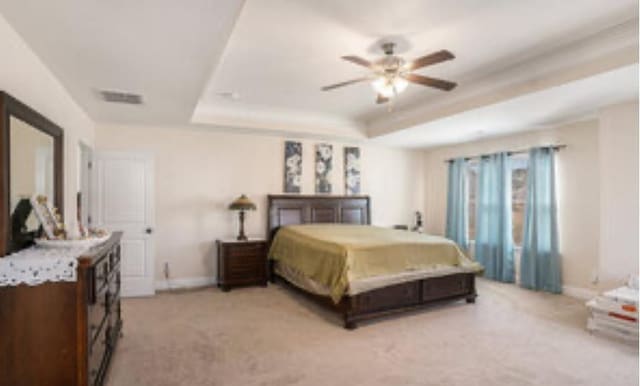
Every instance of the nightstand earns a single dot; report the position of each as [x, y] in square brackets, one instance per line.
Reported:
[241, 263]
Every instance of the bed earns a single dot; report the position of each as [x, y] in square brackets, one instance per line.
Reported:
[325, 247]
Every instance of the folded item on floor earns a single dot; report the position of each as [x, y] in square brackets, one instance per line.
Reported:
[615, 312]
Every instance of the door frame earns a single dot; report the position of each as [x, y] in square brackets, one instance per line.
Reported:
[143, 287]
[85, 183]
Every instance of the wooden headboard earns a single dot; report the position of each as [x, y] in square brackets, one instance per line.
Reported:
[300, 209]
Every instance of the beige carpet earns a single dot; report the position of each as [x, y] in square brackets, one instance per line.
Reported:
[271, 336]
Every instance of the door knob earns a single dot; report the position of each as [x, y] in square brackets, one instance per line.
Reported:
[149, 231]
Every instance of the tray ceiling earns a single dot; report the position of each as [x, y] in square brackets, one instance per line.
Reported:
[259, 64]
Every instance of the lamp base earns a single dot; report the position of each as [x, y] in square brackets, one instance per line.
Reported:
[241, 235]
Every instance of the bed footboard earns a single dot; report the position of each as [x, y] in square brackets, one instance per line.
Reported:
[407, 296]
[395, 298]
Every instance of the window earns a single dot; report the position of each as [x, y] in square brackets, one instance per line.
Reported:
[519, 169]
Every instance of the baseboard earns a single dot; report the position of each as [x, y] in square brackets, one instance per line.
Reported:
[184, 283]
[579, 293]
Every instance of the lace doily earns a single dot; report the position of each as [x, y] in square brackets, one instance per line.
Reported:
[33, 266]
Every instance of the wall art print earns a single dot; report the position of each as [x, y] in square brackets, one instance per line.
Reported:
[352, 170]
[324, 164]
[292, 167]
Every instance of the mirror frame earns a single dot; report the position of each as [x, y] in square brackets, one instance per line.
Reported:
[9, 106]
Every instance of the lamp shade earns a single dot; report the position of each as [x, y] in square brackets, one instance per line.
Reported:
[242, 203]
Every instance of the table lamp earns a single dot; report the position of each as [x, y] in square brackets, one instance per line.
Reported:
[242, 204]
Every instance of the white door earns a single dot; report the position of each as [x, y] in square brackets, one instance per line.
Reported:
[124, 202]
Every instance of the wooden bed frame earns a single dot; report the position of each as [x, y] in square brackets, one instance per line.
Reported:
[300, 209]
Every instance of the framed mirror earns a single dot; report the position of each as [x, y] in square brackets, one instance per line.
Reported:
[31, 157]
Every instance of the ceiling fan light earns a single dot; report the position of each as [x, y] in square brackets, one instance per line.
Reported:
[389, 87]
[400, 84]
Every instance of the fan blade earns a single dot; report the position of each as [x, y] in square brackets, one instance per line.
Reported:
[430, 59]
[346, 83]
[380, 99]
[358, 60]
[430, 82]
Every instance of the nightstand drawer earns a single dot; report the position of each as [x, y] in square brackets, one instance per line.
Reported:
[242, 263]
[248, 250]
[248, 275]
[245, 267]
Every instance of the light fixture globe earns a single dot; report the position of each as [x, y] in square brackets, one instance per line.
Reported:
[389, 86]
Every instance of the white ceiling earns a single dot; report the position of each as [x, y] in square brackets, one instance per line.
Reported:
[276, 54]
[162, 49]
[534, 111]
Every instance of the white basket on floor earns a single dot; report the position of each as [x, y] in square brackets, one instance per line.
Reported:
[615, 313]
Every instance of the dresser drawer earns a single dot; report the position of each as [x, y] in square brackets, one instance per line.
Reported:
[115, 314]
[114, 257]
[97, 354]
[101, 273]
[114, 283]
[97, 314]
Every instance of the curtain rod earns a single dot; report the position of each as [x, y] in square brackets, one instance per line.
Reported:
[523, 151]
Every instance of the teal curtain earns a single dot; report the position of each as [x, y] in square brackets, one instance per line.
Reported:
[494, 233]
[540, 262]
[457, 205]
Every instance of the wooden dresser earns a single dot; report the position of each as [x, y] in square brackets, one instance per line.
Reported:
[63, 333]
[241, 263]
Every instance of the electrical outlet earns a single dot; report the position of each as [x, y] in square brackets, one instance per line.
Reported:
[166, 270]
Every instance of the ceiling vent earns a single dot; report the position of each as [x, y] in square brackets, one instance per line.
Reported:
[121, 97]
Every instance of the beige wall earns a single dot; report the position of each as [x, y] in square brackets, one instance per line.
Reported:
[199, 172]
[618, 192]
[26, 78]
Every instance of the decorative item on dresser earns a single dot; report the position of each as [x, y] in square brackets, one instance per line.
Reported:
[64, 332]
[242, 204]
[241, 263]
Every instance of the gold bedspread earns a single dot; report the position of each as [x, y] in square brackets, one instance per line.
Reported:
[335, 254]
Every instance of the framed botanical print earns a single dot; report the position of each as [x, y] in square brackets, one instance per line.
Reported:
[352, 170]
[292, 167]
[323, 166]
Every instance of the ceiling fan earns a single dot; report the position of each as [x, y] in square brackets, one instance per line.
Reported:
[391, 75]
